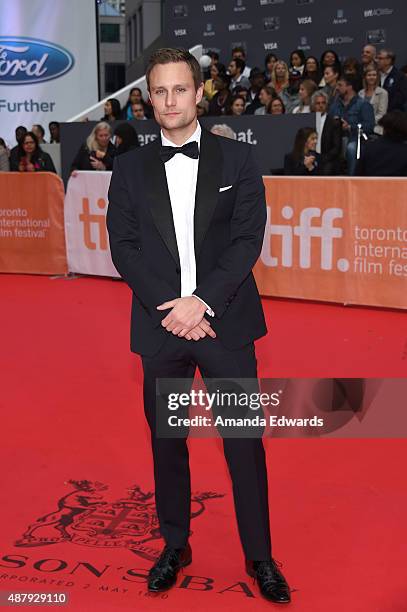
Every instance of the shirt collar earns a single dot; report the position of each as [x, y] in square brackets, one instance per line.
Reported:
[195, 136]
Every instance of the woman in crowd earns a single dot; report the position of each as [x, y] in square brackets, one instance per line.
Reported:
[280, 77]
[266, 95]
[30, 157]
[270, 62]
[304, 160]
[222, 99]
[287, 91]
[54, 132]
[209, 87]
[39, 131]
[297, 63]
[126, 138]
[135, 97]
[331, 76]
[377, 96]
[97, 152]
[4, 157]
[305, 91]
[311, 70]
[386, 156]
[329, 58]
[112, 110]
[275, 107]
[237, 106]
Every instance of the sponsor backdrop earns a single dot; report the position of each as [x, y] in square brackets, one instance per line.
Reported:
[280, 26]
[32, 223]
[48, 62]
[264, 132]
[340, 240]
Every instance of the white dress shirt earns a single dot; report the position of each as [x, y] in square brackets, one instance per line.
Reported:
[182, 174]
[320, 128]
[384, 75]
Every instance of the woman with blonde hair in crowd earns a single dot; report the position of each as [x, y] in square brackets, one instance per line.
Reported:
[377, 96]
[306, 89]
[280, 78]
[97, 152]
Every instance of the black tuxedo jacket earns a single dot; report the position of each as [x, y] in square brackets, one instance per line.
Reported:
[396, 86]
[331, 146]
[228, 235]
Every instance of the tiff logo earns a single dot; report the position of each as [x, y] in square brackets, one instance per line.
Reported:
[91, 219]
[303, 238]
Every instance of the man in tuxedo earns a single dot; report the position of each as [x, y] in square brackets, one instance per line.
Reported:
[186, 219]
[329, 143]
[392, 80]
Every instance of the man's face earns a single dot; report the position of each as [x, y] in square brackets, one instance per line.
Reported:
[383, 61]
[320, 105]
[20, 133]
[257, 81]
[368, 54]
[173, 95]
[232, 69]
[342, 88]
[137, 110]
[239, 55]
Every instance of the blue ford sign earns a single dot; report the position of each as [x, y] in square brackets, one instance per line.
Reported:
[29, 60]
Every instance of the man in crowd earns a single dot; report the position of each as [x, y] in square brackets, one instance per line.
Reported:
[329, 144]
[392, 80]
[257, 81]
[240, 53]
[351, 110]
[368, 57]
[20, 132]
[235, 70]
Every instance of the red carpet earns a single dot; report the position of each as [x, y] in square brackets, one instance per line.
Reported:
[71, 410]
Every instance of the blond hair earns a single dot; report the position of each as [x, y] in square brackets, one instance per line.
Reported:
[91, 142]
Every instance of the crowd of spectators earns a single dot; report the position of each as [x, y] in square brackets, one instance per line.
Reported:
[357, 101]
[351, 98]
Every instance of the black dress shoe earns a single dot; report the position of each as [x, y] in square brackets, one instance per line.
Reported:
[163, 575]
[272, 584]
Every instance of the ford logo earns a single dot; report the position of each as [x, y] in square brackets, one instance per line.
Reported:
[29, 60]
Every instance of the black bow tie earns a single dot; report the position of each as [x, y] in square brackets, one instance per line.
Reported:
[190, 149]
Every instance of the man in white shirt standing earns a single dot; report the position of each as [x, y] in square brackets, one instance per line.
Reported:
[186, 220]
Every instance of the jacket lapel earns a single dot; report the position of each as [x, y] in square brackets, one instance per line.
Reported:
[207, 186]
[159, 198]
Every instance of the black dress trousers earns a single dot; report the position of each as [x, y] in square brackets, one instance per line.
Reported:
[245, 457]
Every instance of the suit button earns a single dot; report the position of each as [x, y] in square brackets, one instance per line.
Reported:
[178, 270]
